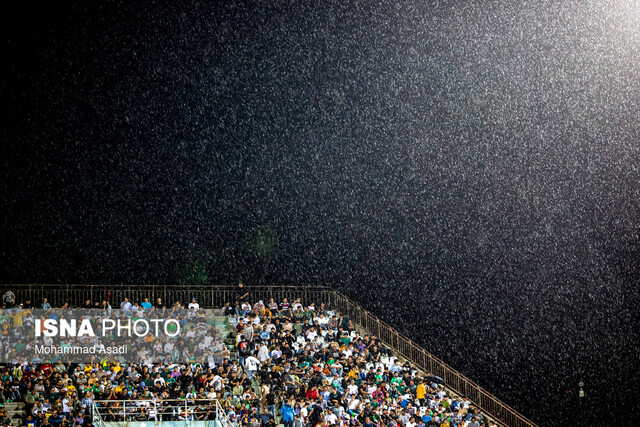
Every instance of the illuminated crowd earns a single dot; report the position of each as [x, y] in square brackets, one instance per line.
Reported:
[291, 364]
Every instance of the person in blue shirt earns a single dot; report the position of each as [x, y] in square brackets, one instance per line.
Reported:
[146, 305]
[265, 335]
[31, 422]
[287, 413]
[126, 305]
[55, 419]
[427, 417]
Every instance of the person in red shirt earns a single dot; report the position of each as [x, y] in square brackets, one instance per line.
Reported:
[45, 369]
[312, 393]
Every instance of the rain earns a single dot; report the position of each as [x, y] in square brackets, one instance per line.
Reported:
[467, 171]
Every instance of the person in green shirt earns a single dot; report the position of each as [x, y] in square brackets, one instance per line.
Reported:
[345, 339]
[297, 327]
[396, 379]
[148, 381]
[309, 315]
[30, 398]
[20, 346]
[402, 388]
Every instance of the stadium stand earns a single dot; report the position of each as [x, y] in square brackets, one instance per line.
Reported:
[256, 363]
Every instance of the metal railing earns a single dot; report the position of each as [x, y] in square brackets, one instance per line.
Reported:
[217, 296]
[429, 363]
[95, 415]
[214, 296]
[126, 411]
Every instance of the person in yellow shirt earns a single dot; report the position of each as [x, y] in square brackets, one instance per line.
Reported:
[71, 389]
[120, 388]
[17, 373]
[92, 380]
[421, 391]
[17, 318]
[353, 373]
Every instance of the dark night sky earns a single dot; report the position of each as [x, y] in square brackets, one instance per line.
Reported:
[472, 168]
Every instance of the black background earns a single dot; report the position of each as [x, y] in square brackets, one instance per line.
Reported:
[468, 171]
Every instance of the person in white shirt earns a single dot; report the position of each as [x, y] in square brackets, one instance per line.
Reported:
[159, 381]
[276, 353]
[252, 364]
[211, 359]
[66, 409]
[263, 353]
[271, 327]
[208, 339]
[194, 304]
[354, 404]
[312, 334]
[212, 394]
[216, 382]
[371, 389]
[348, 352]
[352, 389]
[323, 321]
[331, 418]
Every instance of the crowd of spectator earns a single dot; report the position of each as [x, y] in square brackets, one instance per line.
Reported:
[291, 364]
[312, 368]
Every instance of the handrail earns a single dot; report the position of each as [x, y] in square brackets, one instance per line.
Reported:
[95, 415]
[186, 405]
[222, 416]
[216, 295]
[430, 363]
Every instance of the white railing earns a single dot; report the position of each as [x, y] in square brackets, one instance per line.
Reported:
[223, 417]
[95, 414]
[185, 411]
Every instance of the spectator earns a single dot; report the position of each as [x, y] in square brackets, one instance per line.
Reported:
[323, 368]
[287, 414]
[252, 364]
[9, 299]
[241, 293]
[194, 304]
[126, 305]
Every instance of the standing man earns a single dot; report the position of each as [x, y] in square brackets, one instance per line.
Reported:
[194, 304]
[9, 299]
[241, 293]
[252, 364]
[287, 413]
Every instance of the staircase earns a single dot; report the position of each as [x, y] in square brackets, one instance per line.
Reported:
[16, 413]
[227, 329]
[225, 326]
